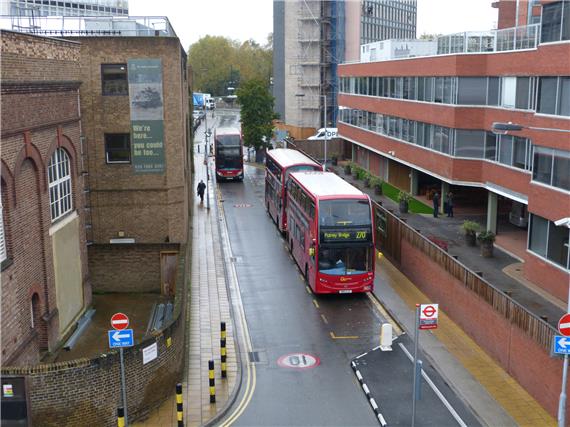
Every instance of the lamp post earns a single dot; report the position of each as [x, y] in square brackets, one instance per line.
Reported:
[499, 127]
[207, 134]
[324, 124]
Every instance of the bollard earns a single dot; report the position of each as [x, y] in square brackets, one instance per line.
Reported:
[120, 417]
[179, 407]
[223, 350]
[212, 382]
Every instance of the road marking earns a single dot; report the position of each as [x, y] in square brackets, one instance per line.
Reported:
[438, 393]
[385, 314]
[324, 319]
[348, 337]
[315, 303]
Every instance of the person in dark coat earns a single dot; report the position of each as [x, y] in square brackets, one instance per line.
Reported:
[201, 188]
[435, 204]
[450, 204]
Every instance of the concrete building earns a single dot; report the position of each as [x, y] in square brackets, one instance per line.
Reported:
[425, 124]
[43, 252]
[311, 38]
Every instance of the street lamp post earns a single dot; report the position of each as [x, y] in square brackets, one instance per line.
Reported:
[207, 134]
[324, 124]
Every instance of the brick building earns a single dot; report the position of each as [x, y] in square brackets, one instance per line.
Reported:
[135, 118]
[425, 123]
[43, 253]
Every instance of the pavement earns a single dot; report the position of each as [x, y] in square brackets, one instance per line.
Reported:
[494, 397]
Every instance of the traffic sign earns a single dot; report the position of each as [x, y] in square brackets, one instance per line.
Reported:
[564, 325]
[122, 338]
[561, 345]
[428, 316]
[119, 321]
[298, 361]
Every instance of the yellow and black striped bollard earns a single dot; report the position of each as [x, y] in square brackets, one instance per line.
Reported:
[212, 382]
[120, 417]
[223, 351]
[179, 407]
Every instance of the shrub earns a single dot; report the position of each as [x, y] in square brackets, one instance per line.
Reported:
[470, 227]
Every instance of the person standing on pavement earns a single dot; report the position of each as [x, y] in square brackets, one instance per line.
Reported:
[450, 205]
[201, 188]
[435, 204]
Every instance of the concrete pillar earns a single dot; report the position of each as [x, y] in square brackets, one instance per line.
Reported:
[444, 191]
[353, 146]
[492, 212]
[414, 182]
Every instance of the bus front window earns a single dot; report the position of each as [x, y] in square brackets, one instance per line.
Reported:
[345, 261]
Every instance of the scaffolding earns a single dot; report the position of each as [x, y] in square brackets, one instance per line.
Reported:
[320, 25]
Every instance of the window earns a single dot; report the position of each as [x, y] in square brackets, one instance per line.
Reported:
[469, 143]
[117, 148]
[490, 146]
[555, 22]
[114, 79]
[549, 241]
[561, 170]
[564, 93]
[472, 90]
[552, 167]
[508, 93]
[59, 178]
[522, 93]
[547, 95]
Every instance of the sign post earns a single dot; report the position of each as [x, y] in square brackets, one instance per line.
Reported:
[121, 337]
[560, 343]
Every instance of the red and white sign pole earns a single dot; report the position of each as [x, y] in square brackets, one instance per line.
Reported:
[120, 321]
[564, 329]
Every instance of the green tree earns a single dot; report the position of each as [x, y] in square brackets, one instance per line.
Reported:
[218, 63]
[257, 114]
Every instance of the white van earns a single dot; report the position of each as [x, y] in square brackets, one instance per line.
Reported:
[329, 132]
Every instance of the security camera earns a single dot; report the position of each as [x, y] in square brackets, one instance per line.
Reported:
[563, 222]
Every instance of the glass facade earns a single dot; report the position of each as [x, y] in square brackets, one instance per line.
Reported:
[466, 143]
[69, 8]
[555, 24]
[382, 20]
[546, 95]
[552, 167]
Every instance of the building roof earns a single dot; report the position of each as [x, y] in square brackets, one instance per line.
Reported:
[287, 157]
[323, 184]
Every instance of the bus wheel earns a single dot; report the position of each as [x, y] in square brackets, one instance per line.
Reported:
[307, 277]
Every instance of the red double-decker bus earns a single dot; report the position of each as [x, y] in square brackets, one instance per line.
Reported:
[330, 232]
[228, 149]
[279, 164]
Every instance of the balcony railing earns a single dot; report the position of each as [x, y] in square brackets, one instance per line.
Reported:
[117, 26]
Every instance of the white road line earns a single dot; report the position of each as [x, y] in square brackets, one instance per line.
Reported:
[436, 390]
[382, 420]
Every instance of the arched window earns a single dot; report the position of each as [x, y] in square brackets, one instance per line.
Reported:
[59, 178]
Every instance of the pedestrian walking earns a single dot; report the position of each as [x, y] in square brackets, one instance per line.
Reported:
[450, 204]
[435, 204]
[201, 188]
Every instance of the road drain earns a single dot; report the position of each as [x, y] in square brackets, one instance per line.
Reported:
[254, 356]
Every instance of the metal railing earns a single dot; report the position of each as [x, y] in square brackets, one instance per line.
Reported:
[125, 26]
[395, 231]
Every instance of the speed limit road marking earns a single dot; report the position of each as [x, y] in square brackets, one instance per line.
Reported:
[298, 361]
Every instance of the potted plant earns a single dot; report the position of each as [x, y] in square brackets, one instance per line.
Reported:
[470, 228]
[377, 185]
[348, 168]
[404, 200]
[366, 178]
[486, 238]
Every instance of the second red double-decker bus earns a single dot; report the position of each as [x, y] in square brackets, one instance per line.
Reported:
[279, 164]
[330, 232]
[228, 149]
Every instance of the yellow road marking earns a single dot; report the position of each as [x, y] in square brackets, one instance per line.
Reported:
[308, 290]
[316, 304]
[349, 337]
[324, 319]
[386, 315]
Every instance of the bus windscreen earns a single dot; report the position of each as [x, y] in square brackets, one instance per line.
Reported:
[345, 261]
[228, 140]
[342, 213]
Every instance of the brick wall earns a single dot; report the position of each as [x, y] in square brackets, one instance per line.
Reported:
[146, 207]
[515, 351]
[39, 114]
[87, 392]
[126, 268]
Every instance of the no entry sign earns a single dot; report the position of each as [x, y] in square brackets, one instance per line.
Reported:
[119, 321]
[564, 325]
[428, 316]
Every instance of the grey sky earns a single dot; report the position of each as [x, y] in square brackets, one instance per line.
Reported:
[245, 19]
